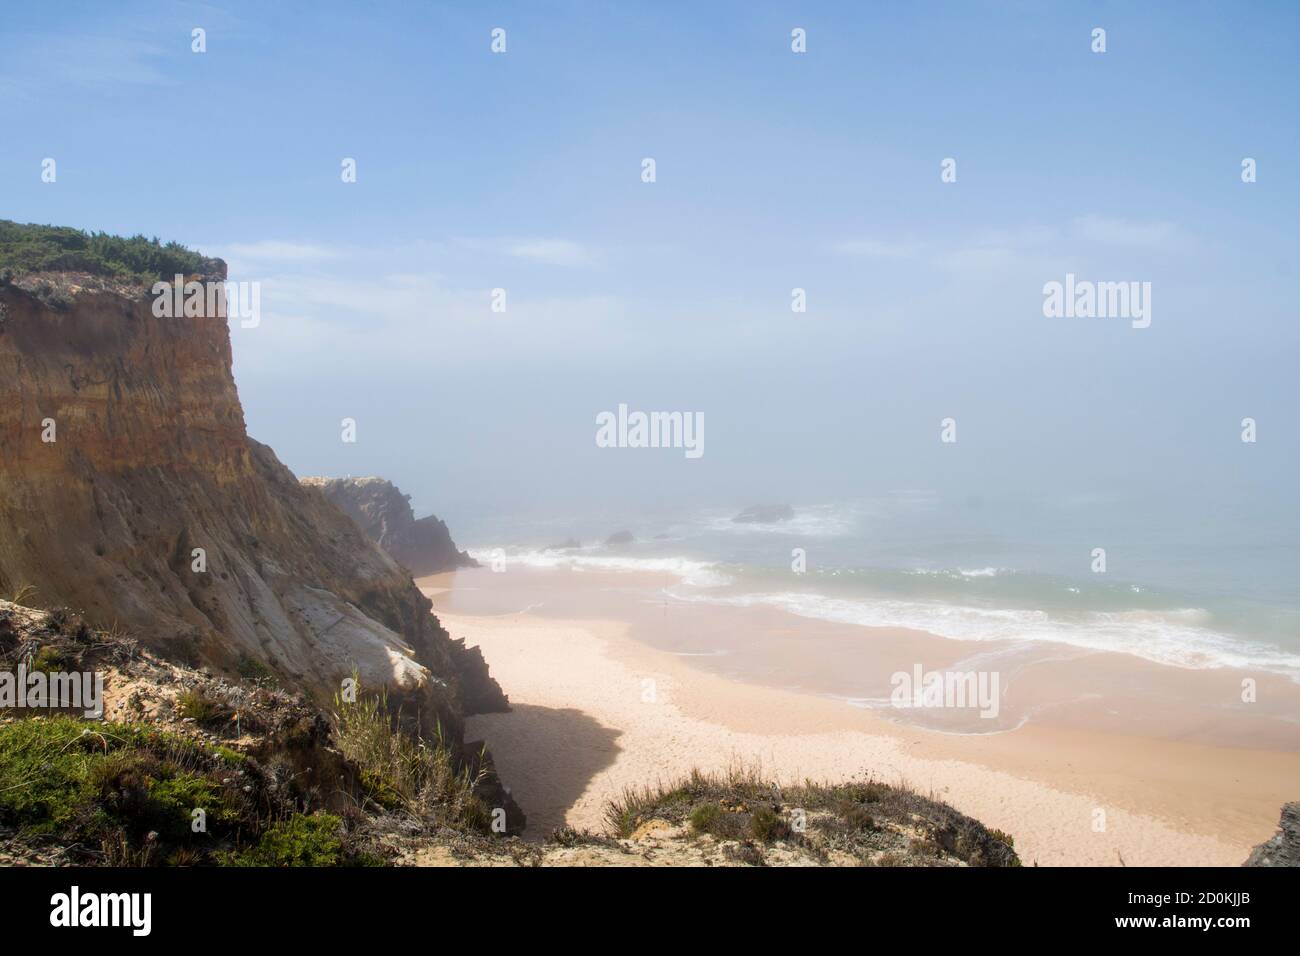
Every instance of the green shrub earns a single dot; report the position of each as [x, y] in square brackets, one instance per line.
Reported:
[48, 659]
[624, 814]
[856, 816]
[766, 825]
[173, 800]
[299, 841]
[705, 817]
[45, 766]
[250, 668]
[719, 823]
[120, 786]
[28, 248]
[201, 708]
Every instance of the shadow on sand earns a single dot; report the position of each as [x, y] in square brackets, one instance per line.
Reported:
[546, 756]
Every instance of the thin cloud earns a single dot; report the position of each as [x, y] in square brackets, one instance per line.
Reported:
[1124, 232]
[879, 248]
[547, 251]
[557, 252]
[90, 62]
[999, 250]
[272, 250]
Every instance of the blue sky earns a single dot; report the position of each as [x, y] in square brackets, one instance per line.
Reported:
[775, 170]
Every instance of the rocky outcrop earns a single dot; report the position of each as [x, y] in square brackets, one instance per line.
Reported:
[379, 508]
[131, 493]
[764, 514]
[1283, 848]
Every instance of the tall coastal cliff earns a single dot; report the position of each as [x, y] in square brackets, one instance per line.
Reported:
[131, 493]
[379, 508]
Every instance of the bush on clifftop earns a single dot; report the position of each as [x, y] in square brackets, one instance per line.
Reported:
[29, 248]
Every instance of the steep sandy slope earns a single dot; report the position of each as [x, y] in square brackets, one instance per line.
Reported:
[150, 461]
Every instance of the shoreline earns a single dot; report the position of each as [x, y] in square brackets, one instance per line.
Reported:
[581, 732]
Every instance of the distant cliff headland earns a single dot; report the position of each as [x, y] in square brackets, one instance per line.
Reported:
[423, 546]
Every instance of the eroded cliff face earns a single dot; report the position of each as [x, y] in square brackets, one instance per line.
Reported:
[379, 508]
[130, 492]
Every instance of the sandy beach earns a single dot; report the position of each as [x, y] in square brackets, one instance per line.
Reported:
[598, 709]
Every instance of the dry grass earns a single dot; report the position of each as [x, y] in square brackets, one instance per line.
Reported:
[23, 594]
[872, 822]
[400, 771]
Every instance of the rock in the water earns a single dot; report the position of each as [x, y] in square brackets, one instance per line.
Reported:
[570, 545]
[379, 508]
[1283, 848]
[764, 514]
[620, 537]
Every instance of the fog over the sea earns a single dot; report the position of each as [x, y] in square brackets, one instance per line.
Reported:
[774, 171]
[474, 411]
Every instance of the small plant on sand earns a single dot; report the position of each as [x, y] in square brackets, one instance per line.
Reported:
[704, 818]
[48, 659]
[255, 670]
[636, 804]
[718, 822]
[202, 708]
[23, 594]
[855, 816]
[768, 826]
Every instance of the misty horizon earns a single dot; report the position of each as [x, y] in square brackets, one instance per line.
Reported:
[924, 298]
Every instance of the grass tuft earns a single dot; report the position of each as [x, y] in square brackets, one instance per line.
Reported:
[872, 822]
[202, 708]
[399, 770]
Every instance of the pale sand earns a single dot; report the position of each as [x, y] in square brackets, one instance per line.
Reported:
[583, 729]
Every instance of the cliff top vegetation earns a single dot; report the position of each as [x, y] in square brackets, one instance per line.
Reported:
[27, 248]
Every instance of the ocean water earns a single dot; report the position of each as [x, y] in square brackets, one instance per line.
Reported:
[1220, 591]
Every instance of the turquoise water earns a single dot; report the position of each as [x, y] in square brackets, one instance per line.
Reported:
[1221, 591]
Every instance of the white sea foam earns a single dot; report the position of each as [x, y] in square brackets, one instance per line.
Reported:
[960, 572]
[699, 574]
[1175, 638]
[979, 572]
